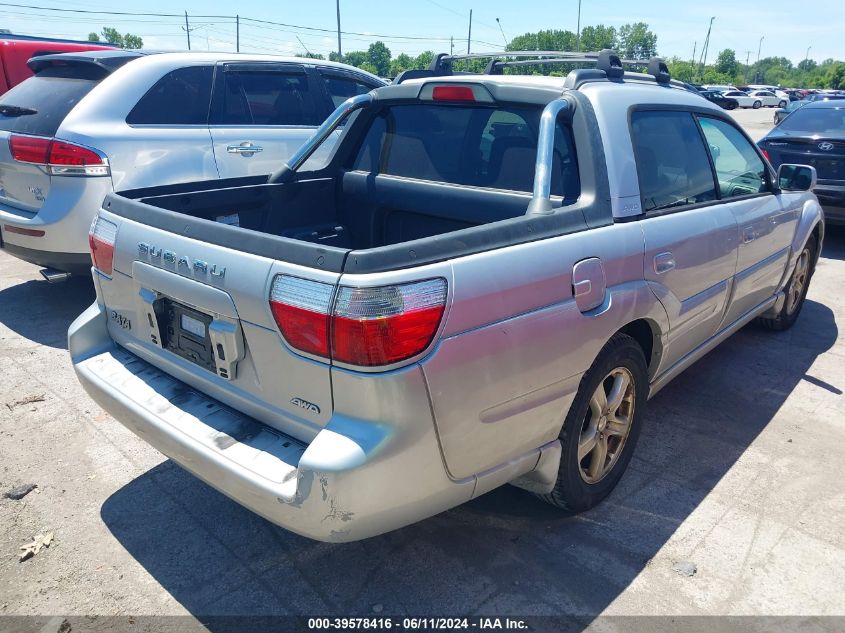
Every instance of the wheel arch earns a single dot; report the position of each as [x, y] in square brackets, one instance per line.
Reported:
[646, 332]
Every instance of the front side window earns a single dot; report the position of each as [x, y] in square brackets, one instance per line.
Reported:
[739, 169]
[483, 146]
[266, 98]
[181, 97]
[672, 162]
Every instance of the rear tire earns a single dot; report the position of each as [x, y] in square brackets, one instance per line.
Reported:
[782, 104]
[601, 429]
[757, 105]
[732, 106]
[796, 289]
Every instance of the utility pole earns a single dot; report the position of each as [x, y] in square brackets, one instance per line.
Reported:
[237, 34]
[706, 45]
[451, 45]
[759, 47]
[807, 55]
[578, 29]
[694, 47]
[504, 37]
[469, 33]
[339, 51]
[187, 30]
[747, 67]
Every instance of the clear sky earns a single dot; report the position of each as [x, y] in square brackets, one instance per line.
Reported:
[788, 26]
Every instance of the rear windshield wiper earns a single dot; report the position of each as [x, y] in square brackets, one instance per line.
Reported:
[13, 110]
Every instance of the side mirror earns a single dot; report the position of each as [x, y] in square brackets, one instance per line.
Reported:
[796, 177]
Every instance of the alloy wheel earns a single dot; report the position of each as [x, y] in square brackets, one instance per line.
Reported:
[607, 425]
[799, 282]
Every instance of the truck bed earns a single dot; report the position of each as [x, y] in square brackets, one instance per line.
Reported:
[352, 222]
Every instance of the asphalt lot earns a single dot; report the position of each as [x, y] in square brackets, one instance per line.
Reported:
[738, 472]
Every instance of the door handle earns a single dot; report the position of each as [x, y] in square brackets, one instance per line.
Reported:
[748, 235]
[663, 263]
[245, 149]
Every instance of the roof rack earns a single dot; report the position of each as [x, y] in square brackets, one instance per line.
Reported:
[607, 62]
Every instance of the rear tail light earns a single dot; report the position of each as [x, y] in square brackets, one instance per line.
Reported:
[766, 154]
[59, 157]
[301, 310]
[101, 239]
[358, 326]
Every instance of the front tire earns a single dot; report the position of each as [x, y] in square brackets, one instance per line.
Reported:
[796, 289]
[601, 429]
[782, 104]
[757, 105]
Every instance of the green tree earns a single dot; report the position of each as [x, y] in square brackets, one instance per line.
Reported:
[807, 65]
[423, 60]
[369, 68]
[595, 38]
[113, 36]
[355, 58]
[378, 56]
[334, 56]
[835, 76]
[402, 63]
[636, 41]
[309, 55]
[726, 62]
[551, 40]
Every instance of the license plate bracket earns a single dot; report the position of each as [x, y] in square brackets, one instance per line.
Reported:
[185, 332]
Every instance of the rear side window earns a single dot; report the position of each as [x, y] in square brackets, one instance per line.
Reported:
[38, 105]
[739, 169]
[266, 98]
[181, 97]
[466, 145]
[672, 162]
[341, 88]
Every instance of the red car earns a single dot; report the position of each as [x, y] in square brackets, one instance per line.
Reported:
[15, 50]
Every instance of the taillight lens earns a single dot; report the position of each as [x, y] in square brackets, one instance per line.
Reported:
[60, 157]
[384, 325]
[30, 149]
[358, 326]
[301, 310]
[101, 239]
[766, 154]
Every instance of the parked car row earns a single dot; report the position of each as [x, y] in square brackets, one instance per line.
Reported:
[782, 113]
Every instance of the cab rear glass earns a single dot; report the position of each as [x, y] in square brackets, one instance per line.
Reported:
[478, 145]
[52, 94]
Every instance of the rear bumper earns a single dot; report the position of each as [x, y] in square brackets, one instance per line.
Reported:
[832, 199]
[357, 478]
[75, 263]
[58, 232]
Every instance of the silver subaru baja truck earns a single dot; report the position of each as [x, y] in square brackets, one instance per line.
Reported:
[483, 283]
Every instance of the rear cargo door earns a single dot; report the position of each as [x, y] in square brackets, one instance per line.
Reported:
[261, 113]
[36, 107]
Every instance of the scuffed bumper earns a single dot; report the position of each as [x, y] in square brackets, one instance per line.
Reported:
[359, 477]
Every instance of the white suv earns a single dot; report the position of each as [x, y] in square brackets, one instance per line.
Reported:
[92, 122]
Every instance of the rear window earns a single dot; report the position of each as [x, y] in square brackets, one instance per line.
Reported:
[821, 121]
[52, 94]
[466, 145]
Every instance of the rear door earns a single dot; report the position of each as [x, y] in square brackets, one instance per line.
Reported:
[166, 138]
[766, 221]
[261, 113]
[690, 239]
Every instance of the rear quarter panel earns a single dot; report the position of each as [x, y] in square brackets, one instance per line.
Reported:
[515, 345]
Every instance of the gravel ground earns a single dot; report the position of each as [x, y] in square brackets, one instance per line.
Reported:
[731, 505]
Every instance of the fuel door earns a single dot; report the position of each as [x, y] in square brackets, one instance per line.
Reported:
[589, 284]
